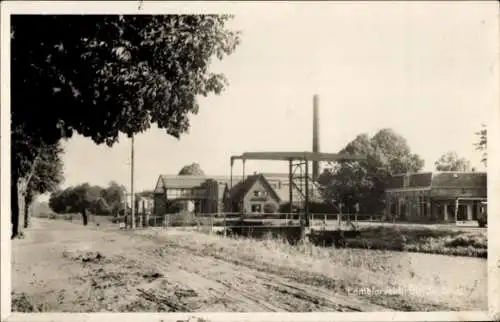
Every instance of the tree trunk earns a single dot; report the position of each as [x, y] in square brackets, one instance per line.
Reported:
[14, 207]
[15, 195]
[27, 203]
[85, 217]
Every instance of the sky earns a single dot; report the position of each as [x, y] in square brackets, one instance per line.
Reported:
[427, 70]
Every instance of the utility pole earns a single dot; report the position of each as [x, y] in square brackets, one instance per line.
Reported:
[132, 204]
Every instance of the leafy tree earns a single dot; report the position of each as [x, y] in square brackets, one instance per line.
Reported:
[450, 161]
[58, 201]
[146, 194]
[114, 196]
[192, 169]
[350, 181]
[47, 175]
[363, 182]
[102, 75]
[481, 144]
[84, 199]
[32, 163]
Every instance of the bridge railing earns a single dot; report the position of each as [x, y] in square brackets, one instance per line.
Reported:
[228, 219]
[220, 219]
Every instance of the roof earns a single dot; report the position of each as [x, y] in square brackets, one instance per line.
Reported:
[460, 179]
[242, 187]
[181, 181]
[448, 179]
[281, 190]
[416, 180]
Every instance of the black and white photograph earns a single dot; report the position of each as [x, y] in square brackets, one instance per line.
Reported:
[230, 158]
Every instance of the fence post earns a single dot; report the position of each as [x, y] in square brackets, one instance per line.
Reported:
[224, 225]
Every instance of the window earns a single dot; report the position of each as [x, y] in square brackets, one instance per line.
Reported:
[257, 208]
[173, 193]
[256, 193]
[393, 209]
[406, 181]
[423, 206]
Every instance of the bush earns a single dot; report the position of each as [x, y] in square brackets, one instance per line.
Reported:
[466, 241]
[420, 239]
[314, 207]
[182, 219]
[270, 208]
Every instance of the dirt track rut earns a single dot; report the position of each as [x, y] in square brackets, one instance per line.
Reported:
[120, 271]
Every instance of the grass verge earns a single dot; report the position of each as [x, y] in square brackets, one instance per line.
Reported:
[396, 280]
[423, 240]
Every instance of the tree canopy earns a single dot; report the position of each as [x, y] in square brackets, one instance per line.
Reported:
[363, 182]
[450, 161]
[193, 169]
[98, 200]
[47, 172]
[102, 75]
[481, 144]
[46, 176]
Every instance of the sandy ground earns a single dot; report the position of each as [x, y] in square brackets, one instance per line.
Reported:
[65, 267]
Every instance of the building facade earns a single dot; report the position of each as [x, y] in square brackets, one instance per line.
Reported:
[186, 194]
[214, 194]
[436, 197]
[253, 195]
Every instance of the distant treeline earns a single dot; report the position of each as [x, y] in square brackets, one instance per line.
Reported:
[95, 199]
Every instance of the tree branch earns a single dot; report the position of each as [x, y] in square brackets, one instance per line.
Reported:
[26, 181]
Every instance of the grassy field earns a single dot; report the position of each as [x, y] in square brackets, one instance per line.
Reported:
[63, 266]
[434, 239]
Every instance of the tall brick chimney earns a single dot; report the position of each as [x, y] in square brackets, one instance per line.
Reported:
[315, 147]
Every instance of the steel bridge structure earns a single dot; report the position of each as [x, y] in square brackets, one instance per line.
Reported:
[298, 171]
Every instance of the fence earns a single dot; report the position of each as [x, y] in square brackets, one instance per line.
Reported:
[280, 219]
[296, 216]
[75, 217]
[219, 219]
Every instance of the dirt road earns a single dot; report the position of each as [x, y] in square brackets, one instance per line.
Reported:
[63, 266]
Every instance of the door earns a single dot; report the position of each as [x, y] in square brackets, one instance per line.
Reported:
[462, 213]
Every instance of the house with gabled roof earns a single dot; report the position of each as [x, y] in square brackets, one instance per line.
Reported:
[214, 194]
[253, 195]
[437, 196]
